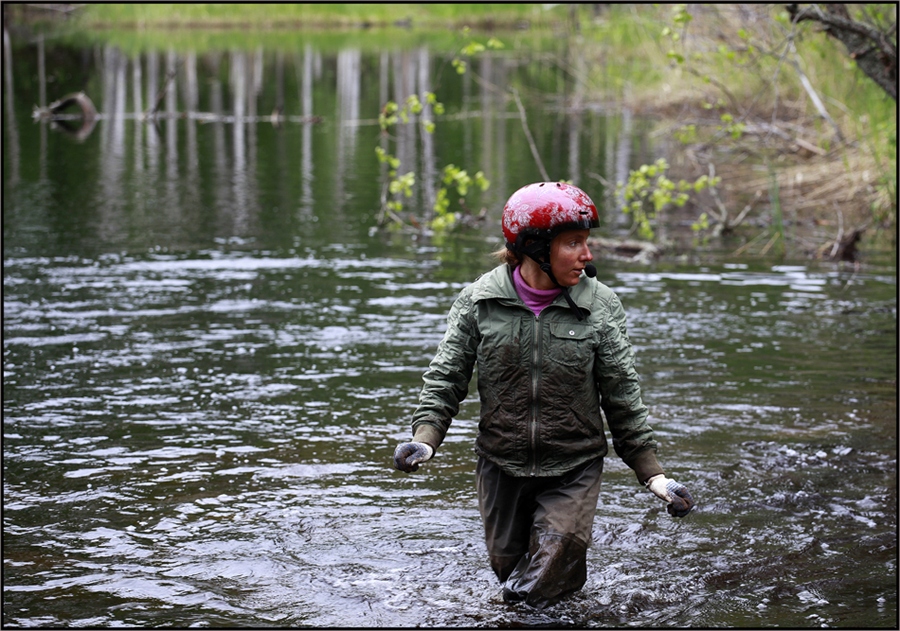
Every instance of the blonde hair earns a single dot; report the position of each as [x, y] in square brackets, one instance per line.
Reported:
[505, 255]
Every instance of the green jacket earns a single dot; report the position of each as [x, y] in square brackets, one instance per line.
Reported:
[542, 380]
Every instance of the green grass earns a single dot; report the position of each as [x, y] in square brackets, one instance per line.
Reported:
[202, 41]
[311, 15]
[288, 27]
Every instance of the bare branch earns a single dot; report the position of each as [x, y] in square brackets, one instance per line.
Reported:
[872, 49]
[534, 150]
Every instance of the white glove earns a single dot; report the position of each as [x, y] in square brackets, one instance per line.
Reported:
[680, 501]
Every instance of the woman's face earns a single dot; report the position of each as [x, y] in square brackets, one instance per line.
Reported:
[569, 253]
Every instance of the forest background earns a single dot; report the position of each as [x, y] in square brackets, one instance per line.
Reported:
[788, 110]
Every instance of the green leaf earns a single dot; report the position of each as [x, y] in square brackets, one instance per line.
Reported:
[472, 48]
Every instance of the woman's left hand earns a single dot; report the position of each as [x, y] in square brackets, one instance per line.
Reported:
[680, 501]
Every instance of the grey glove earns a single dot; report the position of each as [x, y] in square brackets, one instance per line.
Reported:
[407, 456]
[680, 501]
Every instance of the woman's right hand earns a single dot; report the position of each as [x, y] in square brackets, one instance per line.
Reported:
[407, 456]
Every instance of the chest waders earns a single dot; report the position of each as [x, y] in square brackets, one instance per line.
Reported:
[538, 530]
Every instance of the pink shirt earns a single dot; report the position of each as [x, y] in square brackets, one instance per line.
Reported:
[534, 299]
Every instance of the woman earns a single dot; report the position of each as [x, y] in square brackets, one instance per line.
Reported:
[552, 351]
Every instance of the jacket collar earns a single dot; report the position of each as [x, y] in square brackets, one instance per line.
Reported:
[498, 285]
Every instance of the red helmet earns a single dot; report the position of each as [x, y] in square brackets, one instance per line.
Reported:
[544, 209]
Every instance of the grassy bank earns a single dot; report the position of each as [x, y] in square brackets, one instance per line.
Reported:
[315, 15]
[138, 27]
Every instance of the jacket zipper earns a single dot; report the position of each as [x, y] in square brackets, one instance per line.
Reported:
[535, 381]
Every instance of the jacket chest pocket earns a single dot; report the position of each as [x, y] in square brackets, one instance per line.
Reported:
[502, 346]
[571, 346]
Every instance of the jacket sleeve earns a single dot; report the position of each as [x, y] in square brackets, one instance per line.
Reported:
[620, 392]
[448, 375]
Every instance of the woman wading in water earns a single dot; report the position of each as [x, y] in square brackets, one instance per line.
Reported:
[552, 351]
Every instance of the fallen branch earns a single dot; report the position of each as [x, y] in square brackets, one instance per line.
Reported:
[749, 243]
[626, 250]
[843, 248]
[725, 224]
[813, 95]
[55, 109]
[151, 111]
[528, 137]
[59, 119]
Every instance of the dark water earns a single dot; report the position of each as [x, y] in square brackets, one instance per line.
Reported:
[209, 356]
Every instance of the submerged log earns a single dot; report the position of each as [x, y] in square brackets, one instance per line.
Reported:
[59, 119]
[843, 248]
[626, 250]
[80, 99]
[56, 112]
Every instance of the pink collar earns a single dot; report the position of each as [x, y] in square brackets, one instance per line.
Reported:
[534, 299]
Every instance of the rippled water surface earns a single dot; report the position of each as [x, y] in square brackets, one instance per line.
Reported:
[205, 440]
[210, 352]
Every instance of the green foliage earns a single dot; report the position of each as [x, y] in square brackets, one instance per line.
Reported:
[680, 19]
[686, 134]
[453, 178]
[391, 113]
[731, 127]
[701, 227]
[461, 181]
[472, 49]
[701, 224]
[385, 158]
[649, 191]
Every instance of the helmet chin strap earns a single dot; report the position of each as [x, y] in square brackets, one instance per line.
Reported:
[539, 251]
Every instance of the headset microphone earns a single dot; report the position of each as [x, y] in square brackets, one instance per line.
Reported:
[589, 270]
